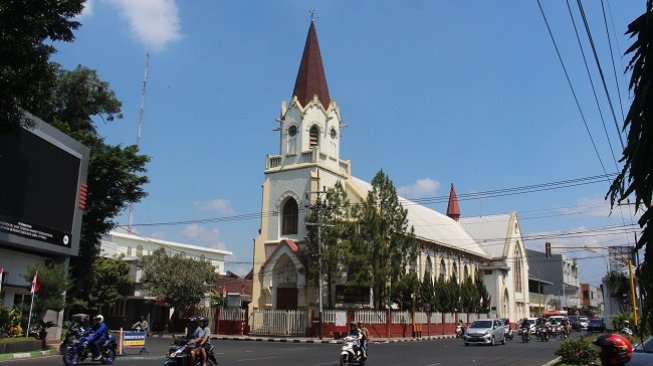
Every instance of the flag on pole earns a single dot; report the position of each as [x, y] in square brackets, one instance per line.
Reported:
[224, 290]
[481, 302]
[35, 284]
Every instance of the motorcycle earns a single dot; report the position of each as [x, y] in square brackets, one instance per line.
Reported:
[460, 330]
[73, 331]
[543, 334]
[79, 351]
[508, 333]
[626, 331]
[352, 352]
[525, 334]
[179, 354]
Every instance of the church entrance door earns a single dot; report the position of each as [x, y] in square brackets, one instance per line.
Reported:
[286, 299]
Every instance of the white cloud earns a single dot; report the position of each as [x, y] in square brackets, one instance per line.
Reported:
[204, 236]
[421, 188]
[155, 23]
[220, 205]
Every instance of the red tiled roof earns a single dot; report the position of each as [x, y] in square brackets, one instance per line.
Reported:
[311, 79]
[453, 210]
[290, 244]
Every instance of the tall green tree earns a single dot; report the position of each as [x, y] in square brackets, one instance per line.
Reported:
[469, 295]
[27, 30]
[619, 289]
[111, 282]
[391, 244]
[482, 294]
[179, 281]
[53, 280]
[115, 173]
[636, 176]
[427, 294]
[336, 232]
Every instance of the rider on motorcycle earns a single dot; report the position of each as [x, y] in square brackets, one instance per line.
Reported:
[202, 336]
[616, 350]
[96, 335]
[356, 334]
[365, 335]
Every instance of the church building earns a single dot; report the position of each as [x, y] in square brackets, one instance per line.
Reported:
[309, 160]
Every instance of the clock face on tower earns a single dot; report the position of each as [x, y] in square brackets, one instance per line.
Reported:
[292, 131]
[333, 133]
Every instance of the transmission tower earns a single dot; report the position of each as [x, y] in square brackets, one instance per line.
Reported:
[141, 118]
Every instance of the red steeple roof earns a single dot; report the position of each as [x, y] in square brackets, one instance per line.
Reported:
[453, 210]
[311, 79]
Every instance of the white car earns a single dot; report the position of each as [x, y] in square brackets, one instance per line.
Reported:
[485, 331]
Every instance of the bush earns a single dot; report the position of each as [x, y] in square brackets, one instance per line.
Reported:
[577, 352]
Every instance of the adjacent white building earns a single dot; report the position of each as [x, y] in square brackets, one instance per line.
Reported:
[130, 248]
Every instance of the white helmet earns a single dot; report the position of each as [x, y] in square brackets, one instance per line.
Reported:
[99, 318]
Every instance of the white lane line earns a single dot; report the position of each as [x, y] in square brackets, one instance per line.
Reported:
[434, 364]
[323, 363]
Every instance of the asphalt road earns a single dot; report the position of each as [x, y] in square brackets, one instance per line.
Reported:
[422, 353]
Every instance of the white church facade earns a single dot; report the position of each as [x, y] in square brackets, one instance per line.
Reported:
[309, 160]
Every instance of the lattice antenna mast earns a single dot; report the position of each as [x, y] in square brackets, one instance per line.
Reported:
[141, 119]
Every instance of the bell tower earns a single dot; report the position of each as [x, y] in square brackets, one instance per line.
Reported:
[308, 161]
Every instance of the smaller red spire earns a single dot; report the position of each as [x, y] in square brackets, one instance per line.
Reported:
[453, 210]
[311, 79]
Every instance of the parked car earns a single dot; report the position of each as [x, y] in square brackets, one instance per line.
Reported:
[583, 322]
[645, 347]
[641, 359]
[596, 325]
[485, 331]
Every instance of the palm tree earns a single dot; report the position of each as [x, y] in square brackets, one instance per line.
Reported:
[637, 174]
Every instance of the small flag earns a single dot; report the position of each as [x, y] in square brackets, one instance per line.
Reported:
[35, 285]
[481, 301]
[224, 290]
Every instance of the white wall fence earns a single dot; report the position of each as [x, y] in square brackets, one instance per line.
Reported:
[235, 314]
[279, 322]
[296, 322]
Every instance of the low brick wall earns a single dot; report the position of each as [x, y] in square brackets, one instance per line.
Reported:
[23, 345]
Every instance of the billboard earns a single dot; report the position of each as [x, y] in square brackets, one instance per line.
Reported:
[44, 172]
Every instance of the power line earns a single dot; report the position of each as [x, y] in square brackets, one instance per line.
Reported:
[598, 65]
[573, 92]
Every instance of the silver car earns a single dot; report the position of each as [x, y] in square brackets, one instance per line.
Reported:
[485, 331]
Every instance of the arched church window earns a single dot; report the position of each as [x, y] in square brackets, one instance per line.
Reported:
[292, 140]
[454, 272]
[314, 136]
[290, 217]
[517, 270]
[466, 272]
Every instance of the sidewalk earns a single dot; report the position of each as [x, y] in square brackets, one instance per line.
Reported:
[324, 340]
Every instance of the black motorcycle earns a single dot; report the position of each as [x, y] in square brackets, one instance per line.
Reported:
[79, 351]
[525, 334]
[543, 334]
[179, 354]
[73, 331]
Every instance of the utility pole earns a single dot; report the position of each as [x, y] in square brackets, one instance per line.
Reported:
[318, 207]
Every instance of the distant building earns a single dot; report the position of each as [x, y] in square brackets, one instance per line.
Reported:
[132, 247]
[562, 273]
[591, 299]
[541, 294]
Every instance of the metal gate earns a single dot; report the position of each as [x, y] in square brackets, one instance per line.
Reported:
[278, 322]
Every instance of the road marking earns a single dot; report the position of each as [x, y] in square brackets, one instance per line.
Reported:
[256, 359]
[434, 364]
[323, 363]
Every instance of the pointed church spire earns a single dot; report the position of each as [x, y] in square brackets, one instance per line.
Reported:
[311, 79]
[453, 210]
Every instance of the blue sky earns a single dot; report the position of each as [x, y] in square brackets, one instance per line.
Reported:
[433, 92]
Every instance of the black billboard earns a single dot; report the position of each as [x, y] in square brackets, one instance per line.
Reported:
[38, 188]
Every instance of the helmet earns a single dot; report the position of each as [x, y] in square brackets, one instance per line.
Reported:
[193, 319]
[99, 318]
[615, 344]
[202, 320]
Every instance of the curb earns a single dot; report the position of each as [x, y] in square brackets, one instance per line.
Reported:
[553, 362]
[24, 355]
